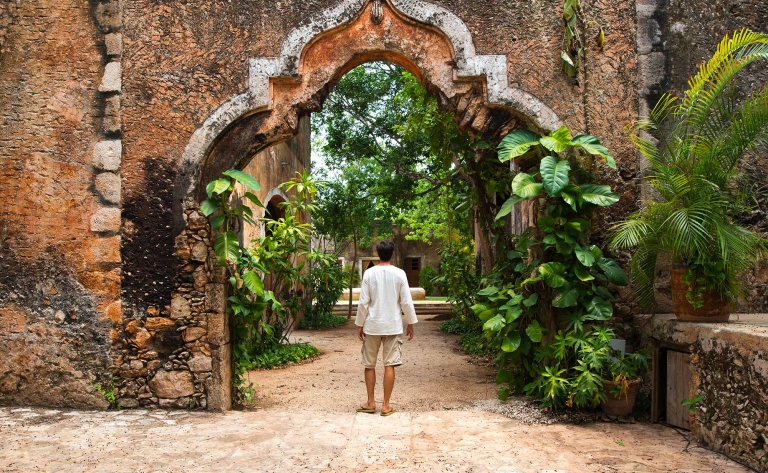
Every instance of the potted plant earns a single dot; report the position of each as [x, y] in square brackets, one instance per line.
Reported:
[694, 170]
[620, 374]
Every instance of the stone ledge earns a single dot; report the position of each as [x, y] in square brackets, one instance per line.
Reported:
[747, 330]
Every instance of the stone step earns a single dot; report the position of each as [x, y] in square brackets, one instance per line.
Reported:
[422, 308]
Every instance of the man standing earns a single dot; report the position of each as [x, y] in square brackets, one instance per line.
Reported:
[385, 303]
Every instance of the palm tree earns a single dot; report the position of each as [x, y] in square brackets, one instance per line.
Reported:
[694, 168]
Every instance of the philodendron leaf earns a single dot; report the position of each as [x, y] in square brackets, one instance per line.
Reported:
[488, 291]
[534, 331]
[511, 343]
[494, 324]
[227, 247]
[554, 174]
[553, 273]
[558, 140]
[525, 186]
[217, 186]
[243, 178]
[253, 282]
[582, 273]
[567, 298]
[613, 271]
[209, 206]
[592, 145]
[217, 221]
[598, 195]
[571, 194]
[250, 196]
[599, 309]
[507, 207]
[516, 144]
[584, 256]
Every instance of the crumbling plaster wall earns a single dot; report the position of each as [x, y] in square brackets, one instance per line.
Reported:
[59, 247]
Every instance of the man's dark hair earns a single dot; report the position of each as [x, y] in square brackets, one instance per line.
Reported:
[385, 248]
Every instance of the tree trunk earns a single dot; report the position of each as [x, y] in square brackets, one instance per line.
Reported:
[352, 268]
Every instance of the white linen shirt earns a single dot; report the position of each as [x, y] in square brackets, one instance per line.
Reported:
[385, 301]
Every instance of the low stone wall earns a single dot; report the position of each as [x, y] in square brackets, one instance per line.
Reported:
[729, 367]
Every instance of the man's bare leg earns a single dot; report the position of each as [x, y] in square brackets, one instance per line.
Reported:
[389, 383]
[370, 385]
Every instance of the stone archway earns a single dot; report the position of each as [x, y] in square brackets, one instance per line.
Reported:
[427, 40]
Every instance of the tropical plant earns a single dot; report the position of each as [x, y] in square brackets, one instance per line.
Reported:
[545, 297]
[694, 169]
[262, 314]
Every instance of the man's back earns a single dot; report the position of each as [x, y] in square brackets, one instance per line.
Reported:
[384, 294]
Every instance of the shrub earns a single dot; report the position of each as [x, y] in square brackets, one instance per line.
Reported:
[426, 276]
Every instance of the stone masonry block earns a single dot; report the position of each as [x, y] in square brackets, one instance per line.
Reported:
[106, 219]
[107, 155]
[114, 44]
[218, 328]
[112, 121]
[216, 298]
[108, 186]
[112, 79]
[103, 250]
[109, 15]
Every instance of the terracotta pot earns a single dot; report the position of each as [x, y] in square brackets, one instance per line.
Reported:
[619, 407]
[715, 309]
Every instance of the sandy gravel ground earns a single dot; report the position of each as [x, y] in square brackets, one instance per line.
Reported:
[435, 375]
[305, 422]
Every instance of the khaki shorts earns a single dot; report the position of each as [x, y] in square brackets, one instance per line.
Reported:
[392, 348]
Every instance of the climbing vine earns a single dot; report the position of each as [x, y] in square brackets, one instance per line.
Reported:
[544, 304]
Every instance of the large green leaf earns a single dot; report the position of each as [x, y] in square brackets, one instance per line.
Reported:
[582, 273]
[507, 206]
[553, 274]
[516, 144]
[513, 314]
[558, 140]
[571, 194]
[494, 324]
[217, 221]
[599, 309]
[488, 291]
[598, 195]
[591, 145]
[567, 297]
[243, 178]
[554, 174]
[525, 186]
[250, 196]
[584, 255]
[613, 271]
[534, 331]
[511, 343]
[253, 282]
[217, 186]
[209, 206]
[227, 247]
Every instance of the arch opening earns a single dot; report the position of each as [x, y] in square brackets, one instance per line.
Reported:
[284, 91]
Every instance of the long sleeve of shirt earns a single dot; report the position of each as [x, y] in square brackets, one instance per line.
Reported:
[385, 302]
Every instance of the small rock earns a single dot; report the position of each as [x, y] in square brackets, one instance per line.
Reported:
[59, 316]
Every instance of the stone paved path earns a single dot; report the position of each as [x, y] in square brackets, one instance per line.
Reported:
[288, 437]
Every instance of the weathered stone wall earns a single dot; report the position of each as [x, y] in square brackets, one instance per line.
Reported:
[729, 367]
[673, 39]
[118, 111]
[59, 249]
